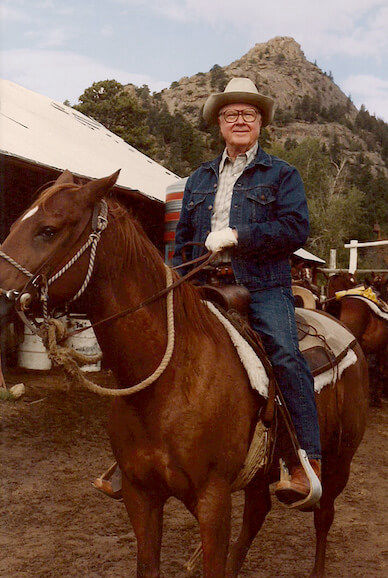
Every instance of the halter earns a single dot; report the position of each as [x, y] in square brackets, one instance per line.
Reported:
[99, 224]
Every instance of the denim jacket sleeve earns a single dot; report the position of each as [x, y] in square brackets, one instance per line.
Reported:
[184, 232]
[288, 231]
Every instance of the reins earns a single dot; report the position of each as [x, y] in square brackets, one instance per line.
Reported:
[206, 260]
[69, 358]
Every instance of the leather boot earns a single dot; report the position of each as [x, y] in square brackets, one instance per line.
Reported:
[298, 487]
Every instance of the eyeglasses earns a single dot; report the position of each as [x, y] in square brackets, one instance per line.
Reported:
[248, 115]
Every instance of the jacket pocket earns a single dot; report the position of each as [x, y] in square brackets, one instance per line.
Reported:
[260, 203]
[195, 206]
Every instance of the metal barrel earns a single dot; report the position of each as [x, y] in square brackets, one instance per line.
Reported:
[174, 196]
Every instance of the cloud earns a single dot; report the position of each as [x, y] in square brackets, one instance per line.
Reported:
[368, 90]
[66, 74]
[11, 11]
[107, 31]
[352, 27]
[53, 38]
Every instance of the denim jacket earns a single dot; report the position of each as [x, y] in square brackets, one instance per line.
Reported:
[268, 210]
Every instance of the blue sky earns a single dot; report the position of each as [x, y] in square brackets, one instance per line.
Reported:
[59, 48]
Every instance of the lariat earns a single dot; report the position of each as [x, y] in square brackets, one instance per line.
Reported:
[54, 335]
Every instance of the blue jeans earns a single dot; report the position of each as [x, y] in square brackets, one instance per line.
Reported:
[272, 315]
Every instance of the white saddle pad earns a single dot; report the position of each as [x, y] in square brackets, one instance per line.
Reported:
[255, 369]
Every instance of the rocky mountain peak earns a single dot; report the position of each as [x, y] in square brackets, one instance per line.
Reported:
[284, 45]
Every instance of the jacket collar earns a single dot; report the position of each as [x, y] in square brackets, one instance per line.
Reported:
[262, 158]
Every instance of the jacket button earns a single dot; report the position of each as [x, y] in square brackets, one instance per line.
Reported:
[210, 207]
[263, 197]
[191, 203]
[215, 186]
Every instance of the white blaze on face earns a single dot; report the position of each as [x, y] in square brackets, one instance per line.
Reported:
[30, 213]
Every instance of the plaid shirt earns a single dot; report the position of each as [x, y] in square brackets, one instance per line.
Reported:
[229, 172]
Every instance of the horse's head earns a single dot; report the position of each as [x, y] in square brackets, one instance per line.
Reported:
[340, 282]
[48, 235]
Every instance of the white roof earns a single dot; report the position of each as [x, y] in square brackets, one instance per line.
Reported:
[307, 256]
[42, 131]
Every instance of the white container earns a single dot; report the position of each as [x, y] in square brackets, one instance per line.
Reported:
[32, 353]
[85, 342]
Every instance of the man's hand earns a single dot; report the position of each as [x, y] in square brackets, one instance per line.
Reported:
[219, 240]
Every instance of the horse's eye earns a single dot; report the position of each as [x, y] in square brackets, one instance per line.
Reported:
[47, 233]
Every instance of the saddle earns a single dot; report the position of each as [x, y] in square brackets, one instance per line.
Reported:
[320, 355]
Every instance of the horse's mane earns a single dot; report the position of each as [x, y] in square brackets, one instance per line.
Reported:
[137, 248]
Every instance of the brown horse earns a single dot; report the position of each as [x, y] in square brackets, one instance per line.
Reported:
[187, 435]
[371, 331]
[338, 282]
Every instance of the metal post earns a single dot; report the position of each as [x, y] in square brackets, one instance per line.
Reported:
[353, 256]
[333, 260]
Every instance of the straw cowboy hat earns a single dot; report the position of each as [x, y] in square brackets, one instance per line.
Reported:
[306, 297]
[238, 90]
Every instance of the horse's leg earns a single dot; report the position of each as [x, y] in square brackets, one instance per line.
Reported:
[375, 383]
[257, 505]
[324, 515]
[213, 510]
[146, 514]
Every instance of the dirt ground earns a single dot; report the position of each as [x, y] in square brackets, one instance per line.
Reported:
[53, 523]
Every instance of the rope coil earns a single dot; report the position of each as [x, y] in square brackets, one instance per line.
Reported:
[55, 333]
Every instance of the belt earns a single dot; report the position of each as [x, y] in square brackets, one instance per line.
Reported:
[223, 270]
[221, 274]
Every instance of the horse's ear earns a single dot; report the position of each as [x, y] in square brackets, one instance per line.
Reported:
[96, 189]
[65, 178]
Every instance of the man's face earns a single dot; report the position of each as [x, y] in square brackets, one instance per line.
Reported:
[239, 133]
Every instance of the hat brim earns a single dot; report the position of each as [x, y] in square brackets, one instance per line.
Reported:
[216, 101]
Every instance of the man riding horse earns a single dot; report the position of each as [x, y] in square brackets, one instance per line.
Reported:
[250, 207]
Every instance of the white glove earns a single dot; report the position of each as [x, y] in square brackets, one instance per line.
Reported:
[221, 239]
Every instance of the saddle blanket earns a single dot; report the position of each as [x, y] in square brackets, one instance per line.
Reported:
[336, 336]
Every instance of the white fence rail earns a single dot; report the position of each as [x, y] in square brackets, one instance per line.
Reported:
[353, 256]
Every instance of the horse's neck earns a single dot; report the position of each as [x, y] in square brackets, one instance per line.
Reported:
[134, 342]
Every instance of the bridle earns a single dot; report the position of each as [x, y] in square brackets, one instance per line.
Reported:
[41, 284]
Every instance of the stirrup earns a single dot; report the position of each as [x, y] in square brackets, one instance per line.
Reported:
[106, 477]
[313, 497]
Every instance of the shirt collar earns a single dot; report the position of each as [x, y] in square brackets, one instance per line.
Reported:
[249, 156]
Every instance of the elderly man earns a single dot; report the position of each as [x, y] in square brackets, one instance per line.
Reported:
[251, 208]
